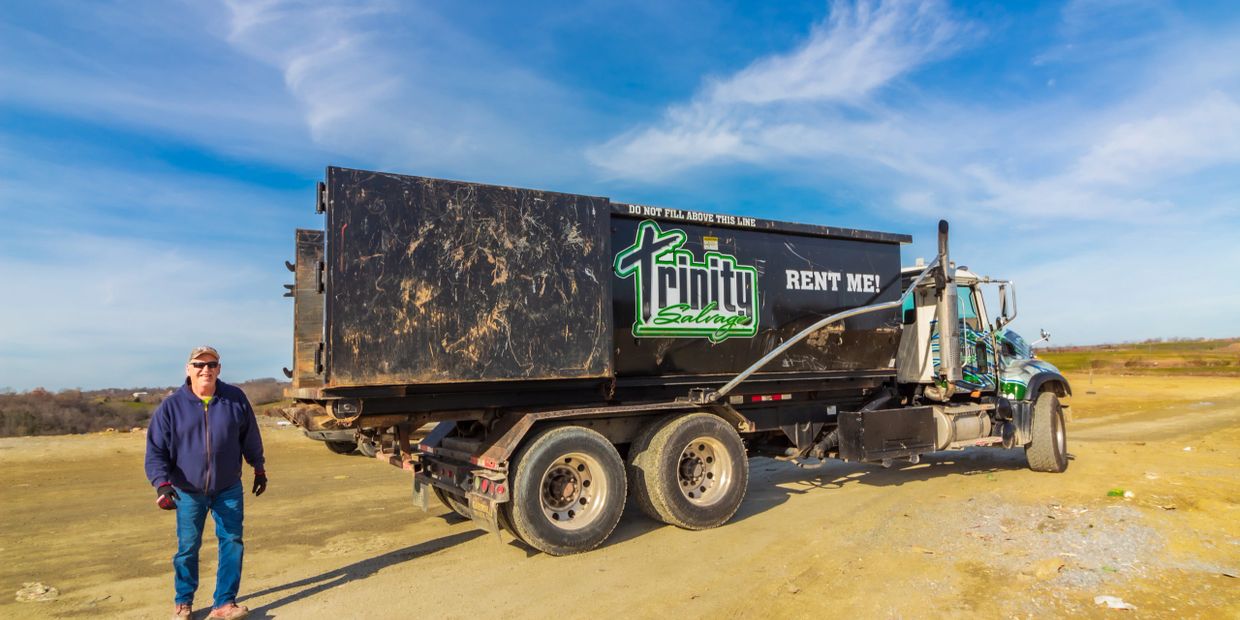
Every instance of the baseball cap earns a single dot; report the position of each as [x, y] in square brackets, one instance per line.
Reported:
[204, 350]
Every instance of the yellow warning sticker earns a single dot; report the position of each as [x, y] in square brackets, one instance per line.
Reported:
[710, 244]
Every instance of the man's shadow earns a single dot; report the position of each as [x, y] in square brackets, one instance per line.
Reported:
[358, 570]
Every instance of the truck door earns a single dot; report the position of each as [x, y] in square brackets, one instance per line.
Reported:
[976, 341]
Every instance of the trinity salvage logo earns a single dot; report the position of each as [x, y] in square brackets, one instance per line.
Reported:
[679, 297]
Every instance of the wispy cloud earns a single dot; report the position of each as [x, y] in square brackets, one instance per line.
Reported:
[122, 312]
[170, 75]
[1199, 133]
[848, 98]
[112, 266]
[407, 87]
[1133, 150]
[858, 49]
[812, 101]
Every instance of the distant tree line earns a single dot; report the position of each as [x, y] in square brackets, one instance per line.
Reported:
[42, 412]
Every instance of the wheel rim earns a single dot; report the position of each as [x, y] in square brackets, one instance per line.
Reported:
[573, 491]
[704, 472]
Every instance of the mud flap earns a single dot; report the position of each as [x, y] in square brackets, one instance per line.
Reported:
[1022, 415]
[886, 433]
[421, 494]
[490, 490]
[484, 512]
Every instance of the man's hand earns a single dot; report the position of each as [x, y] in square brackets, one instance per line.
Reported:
[260, 483]
[166, 496]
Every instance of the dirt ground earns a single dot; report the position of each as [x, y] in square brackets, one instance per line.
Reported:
[963, 534]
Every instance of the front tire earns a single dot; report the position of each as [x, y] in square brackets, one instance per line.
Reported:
[690, 471]
[1049, 449]
[341, 447]
[568, 491]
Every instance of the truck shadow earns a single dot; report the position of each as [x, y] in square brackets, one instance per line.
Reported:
[632, 525]
[772, 482]
[312, 586]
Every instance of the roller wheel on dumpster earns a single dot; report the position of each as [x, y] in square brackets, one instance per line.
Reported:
[568, 491]
[690, 471]
[1049, 449]
[341, 447]
[453, 501]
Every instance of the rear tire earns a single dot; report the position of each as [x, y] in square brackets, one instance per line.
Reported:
[341, 447]
[690, 471]
[453, 501]
[637, 481]
[1048, 451]
[568, 491]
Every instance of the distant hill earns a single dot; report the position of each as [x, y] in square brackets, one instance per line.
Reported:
[1154, 357]
[40, 412]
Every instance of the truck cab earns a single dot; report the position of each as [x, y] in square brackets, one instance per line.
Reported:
[993, 358]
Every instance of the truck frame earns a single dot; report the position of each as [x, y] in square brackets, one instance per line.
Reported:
[573, 353]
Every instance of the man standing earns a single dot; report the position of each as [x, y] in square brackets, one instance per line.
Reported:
[194, 448]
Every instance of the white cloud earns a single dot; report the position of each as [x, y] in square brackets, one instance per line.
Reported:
[832, 105]
[1109, 195]
[858, 49]
[1202, 132]
[158, 70]
[803, 103]
[406, 87]
[113, 268]
[123, 312]
[296, 83]
[329, 66]
[59, 185]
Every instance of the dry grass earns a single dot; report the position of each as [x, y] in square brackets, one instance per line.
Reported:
[1180, 357]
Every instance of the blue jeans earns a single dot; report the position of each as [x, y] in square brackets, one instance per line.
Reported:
[227, 507]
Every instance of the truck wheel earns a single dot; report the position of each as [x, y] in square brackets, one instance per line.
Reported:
[367, 448]
[690, 471]
[1049, 449]
[567, 491]
[636, 477]
[341, 447]
[453, 501]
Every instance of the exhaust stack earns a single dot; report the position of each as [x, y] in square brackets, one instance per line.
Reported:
[948, 319]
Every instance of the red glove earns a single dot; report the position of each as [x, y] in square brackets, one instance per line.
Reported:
[167, 496]
[260, 482]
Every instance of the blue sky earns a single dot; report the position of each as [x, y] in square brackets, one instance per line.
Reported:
[155, 157]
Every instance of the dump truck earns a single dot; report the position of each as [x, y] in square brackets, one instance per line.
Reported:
[538, 359]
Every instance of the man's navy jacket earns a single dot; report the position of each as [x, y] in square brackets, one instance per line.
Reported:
[200, 450]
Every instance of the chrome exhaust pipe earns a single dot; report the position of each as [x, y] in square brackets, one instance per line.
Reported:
[948, 317]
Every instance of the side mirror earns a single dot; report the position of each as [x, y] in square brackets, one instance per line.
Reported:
[1046, 336]
[1007, 303]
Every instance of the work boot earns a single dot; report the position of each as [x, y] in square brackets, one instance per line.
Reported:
[183, 611]
[231, 611]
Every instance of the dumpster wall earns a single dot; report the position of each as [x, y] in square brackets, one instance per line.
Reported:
[438, 282]
[433, 281]
[692, 298]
